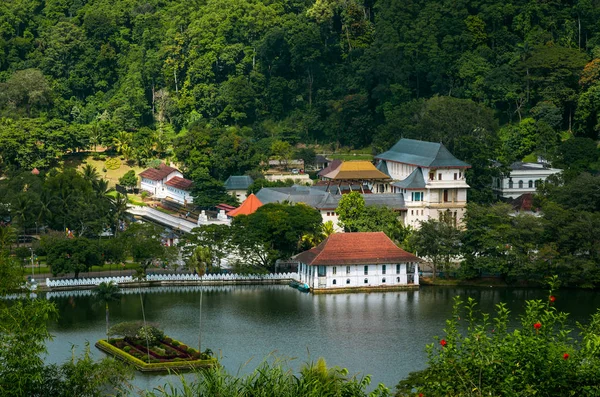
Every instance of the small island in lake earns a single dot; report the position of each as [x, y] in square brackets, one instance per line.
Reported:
[148, 349]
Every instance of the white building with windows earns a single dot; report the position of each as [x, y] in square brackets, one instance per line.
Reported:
[431, 179]
[523, 178]
[356, 261]
[166, 182]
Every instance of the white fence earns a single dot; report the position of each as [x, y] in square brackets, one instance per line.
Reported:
[84, 282]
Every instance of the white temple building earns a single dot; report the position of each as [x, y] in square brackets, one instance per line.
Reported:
[357, 261]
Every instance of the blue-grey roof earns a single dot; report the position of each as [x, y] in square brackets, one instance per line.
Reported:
[414, 181]
[382, 166]
[241, 182]
[319, 199]
[421, 153]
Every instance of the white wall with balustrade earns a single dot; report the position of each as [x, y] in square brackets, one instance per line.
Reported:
[208, 278]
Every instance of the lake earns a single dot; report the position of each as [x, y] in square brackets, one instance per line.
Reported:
[383, 334]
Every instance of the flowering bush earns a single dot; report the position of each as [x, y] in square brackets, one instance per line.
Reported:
[479, 355]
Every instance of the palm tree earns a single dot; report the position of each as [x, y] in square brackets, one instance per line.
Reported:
[122, 140]
[201, 258]
[90, 173]
[139, 276]
[101, 187]
[118, 209]
[95, 134]
[8, 235]
[45, 211]
[313, 239]
[105, 293]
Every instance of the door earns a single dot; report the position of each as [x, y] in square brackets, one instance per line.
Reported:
[445, 195]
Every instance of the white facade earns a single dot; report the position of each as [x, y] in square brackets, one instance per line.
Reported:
[523, 178]
[331, 215]
[159, 188]
[445, 192]
[240, 195]
[323, 277]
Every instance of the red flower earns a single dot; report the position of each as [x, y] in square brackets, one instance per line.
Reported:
[443, 342]
[566, 356]
[421, 395]
[537, 325]
[552, 298]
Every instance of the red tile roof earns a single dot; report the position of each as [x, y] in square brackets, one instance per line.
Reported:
[356, 249]
[332, 166]
[179, 183]
[156, 174]
[249, 206]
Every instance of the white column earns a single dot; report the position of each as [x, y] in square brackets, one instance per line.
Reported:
[416, 273]
[403, 277]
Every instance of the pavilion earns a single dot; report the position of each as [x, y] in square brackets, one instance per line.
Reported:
[249, 206]
[354, 173]
[358, 261]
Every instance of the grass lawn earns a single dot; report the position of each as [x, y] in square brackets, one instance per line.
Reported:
[350, 156]
[79, 160]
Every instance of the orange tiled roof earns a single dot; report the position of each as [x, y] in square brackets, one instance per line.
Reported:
[249, 206]
[367, 248]
[156, 174]
[179, 183]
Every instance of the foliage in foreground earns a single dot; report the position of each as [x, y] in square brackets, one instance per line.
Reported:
[275, 379]
[480, 356]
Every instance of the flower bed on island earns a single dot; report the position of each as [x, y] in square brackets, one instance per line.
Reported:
[162, 354]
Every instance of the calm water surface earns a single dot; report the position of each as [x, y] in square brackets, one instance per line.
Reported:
[382, 334]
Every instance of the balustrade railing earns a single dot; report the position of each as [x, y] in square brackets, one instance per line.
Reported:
[82, 282]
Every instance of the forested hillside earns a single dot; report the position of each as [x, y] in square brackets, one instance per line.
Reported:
[490, 78]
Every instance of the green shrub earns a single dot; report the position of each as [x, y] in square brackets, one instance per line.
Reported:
[539, 357]
[149, 333]
[191, 351]
[127, 349]
[175, 343]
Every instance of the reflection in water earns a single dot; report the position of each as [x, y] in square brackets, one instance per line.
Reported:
[383, 334]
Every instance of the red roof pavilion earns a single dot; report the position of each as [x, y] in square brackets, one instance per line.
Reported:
[179, 183]
[156, 174]
[356, 249]
[249, 206]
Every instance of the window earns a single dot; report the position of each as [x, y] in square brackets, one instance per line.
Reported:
[417, 196]
[440, 176]
[383, 269]
[334, 270]
[412, 212]
[510, 183]
[537, 183]
[520, 184]
[421, 212]
[455, 176]
[334, 282]
[397, 269]
[530, 184]
[366, 281]
[397, 279]
[347, 269]
[322, 271]
[460, 175]
[383, 280]
[431, 176]
[347, 281]
[366, 269]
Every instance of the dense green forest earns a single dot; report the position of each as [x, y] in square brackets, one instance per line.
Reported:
[491, 79]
